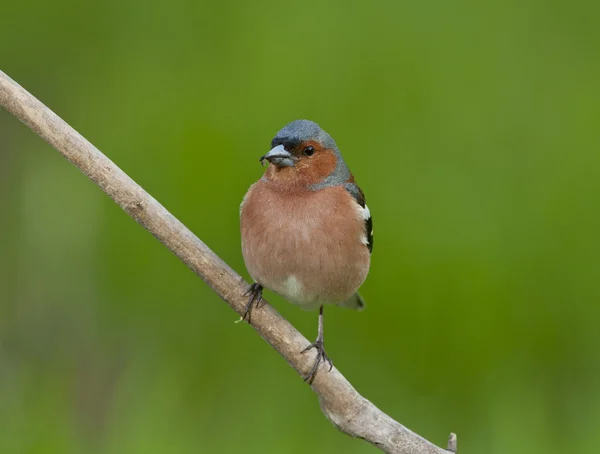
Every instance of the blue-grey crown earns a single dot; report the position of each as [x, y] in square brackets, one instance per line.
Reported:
[300, 131]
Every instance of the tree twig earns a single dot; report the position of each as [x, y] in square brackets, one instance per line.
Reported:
[341, 403]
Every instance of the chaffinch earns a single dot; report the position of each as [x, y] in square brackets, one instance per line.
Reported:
[307, 233]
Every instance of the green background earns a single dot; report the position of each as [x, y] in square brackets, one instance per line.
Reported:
[473, 129]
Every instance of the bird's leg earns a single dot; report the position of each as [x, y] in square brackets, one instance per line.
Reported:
[255, 297]
[321, 355]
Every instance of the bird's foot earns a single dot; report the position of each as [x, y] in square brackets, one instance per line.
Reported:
[321, 357]
[255, 298]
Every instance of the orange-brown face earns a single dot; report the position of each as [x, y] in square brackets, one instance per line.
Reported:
[312, 164]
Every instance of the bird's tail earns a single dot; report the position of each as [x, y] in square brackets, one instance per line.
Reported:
[355, 302]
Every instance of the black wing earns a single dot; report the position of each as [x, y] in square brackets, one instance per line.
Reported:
[358, 195]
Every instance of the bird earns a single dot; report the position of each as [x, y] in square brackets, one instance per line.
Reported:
[306, 230]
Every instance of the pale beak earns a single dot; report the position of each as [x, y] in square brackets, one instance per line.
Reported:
[280, 157]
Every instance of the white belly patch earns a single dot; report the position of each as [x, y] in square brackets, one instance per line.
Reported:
[292, 289]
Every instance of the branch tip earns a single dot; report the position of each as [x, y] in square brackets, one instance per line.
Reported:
[452, 442]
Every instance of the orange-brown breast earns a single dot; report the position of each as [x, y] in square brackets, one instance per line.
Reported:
[304, 245]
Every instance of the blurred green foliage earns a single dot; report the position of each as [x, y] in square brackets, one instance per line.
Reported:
[473, 129]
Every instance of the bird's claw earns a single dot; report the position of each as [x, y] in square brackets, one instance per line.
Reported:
[255, 298]
[321, 356]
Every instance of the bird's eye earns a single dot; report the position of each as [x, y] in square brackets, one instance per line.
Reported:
[309, 151]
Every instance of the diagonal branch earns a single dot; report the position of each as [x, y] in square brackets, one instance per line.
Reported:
[341, 403]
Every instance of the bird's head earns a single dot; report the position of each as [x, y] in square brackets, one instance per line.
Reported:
[304, 156]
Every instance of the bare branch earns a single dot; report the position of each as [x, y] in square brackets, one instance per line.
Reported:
[340, 402]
